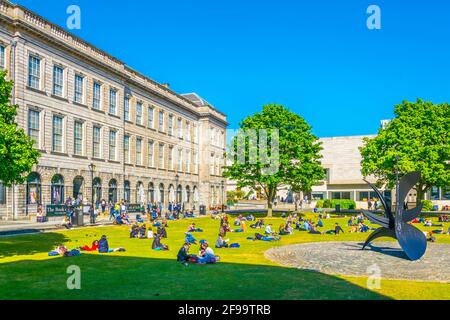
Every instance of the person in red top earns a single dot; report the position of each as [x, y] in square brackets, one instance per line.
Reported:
[94, 247]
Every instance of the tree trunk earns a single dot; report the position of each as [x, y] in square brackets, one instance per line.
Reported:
[269, 207]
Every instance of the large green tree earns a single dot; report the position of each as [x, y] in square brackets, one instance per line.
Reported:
[17, 155]
[420, 136]
[289, 154]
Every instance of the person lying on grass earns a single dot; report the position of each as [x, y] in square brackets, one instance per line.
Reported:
[103, 246]
[190, 238]
[313, 229]
[337, 229]
[93, 247]
[157, 245]
[61, 250]
[193, 228]
[261, 237]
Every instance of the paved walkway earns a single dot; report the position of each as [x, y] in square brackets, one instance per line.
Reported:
[347, 258]
[26, 226]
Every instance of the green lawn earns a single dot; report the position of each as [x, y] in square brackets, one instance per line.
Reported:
[26, 271]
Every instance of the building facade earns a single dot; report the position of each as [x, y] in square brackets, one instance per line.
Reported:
[341, 160]
[104, 130]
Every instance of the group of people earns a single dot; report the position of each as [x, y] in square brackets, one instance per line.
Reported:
[205, 255]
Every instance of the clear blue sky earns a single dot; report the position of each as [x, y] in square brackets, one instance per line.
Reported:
[316, 57]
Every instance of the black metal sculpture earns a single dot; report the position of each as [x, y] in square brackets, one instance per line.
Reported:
[411, 239]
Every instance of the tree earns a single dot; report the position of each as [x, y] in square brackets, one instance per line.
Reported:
[17, 154]
[293, 157]
[420, 136]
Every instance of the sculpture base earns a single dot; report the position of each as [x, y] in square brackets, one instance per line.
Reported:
[347, 258]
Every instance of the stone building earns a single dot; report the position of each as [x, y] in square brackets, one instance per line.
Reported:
[104, 130]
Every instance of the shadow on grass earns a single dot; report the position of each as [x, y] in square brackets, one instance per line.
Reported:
[119, 277]
[30, 244]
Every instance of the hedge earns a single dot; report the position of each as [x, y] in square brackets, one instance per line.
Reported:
[344, 203]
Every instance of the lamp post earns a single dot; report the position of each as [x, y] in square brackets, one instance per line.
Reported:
[92, 169]
[222, 183]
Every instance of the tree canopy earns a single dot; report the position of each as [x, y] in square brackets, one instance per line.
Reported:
[288, 154]
[17, 154]
[420, 136]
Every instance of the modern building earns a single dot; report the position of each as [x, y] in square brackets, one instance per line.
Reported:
[104, 130]
[342, 162]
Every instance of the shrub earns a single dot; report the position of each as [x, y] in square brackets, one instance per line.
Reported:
[327, 203]
[319, 204]
[427, 205]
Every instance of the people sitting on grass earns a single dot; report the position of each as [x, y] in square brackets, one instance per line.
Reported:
[189, 214]
[285, 229]
[93, 247]
[103, 246]
[313, 229]
[66, 222]
[242, 227]
[250, 217]
[206, 254]
[337, 229]
[193, 228]
[319, 224]
[157, 245]
[258, 225]
[430, 237]
[150, 233]
[268, 230]
[363, 227]
[261, 237]
[190, 238]
[142, 231]
[161, 231]
[183, 255]
[221, 242]
[134, 231]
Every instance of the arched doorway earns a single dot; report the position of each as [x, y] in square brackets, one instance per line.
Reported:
[171, 193]
[97, 188]
[34, 189]
[179, 194]
[78, 187]
[57, 189]
[127, 191]
[151, 193]
[188, 194]
[140, 193]
[161, 193]
[112, 191]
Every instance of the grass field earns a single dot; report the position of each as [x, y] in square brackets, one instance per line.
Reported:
[27, 272]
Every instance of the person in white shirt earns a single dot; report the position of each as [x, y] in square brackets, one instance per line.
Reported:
[269, 229]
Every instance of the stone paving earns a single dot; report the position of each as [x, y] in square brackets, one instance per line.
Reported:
[347, 258]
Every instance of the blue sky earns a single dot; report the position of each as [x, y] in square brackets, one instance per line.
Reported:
[316, 57]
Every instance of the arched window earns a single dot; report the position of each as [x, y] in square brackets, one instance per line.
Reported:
[57, 189]
[179, 198]
[112, 191]
[140, 193]
[34, 189]
[151, 193]
[188, 194]
[127, 191]
[77, 187]
[161, 193]
[97, 187]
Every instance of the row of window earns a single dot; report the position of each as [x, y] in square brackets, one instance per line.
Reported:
[79, 94]
[183, 156]
[58, 144]
[58, 191]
